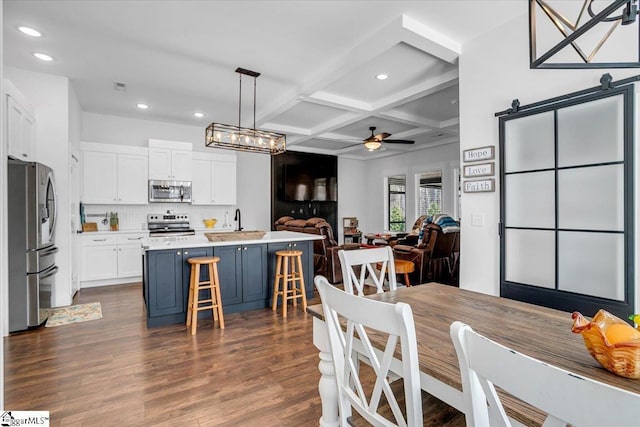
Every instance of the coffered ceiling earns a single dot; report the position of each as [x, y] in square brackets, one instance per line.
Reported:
[318, 61]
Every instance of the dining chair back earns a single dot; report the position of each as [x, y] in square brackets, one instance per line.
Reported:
[567, 398]
[357, 263]
[363, 316]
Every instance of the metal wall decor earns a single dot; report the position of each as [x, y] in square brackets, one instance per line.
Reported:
[231, 137]
[571, 29]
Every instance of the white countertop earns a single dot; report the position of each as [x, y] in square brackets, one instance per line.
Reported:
[159, 243]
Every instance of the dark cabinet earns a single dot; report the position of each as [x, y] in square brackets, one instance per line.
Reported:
[164, 272]
[186, 269]
[243, 274]
[228, 267]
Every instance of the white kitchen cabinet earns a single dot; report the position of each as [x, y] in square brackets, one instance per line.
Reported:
[99, 257]
[110, 258]
[20, 136]
[114, 178]
[99, 177]
[132, 179]
[130, 255]
[214, 180]
[169, 164]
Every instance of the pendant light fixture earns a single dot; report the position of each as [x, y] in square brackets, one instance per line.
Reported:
[570, 29]
[231, 137]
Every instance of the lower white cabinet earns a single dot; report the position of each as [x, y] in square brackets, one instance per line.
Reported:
[109, 257]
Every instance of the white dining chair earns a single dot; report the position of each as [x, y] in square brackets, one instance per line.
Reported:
[567, 398]
[367, 260]
[363, 315]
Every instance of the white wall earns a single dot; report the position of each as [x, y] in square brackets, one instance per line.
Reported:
[444, 158]
[494, 69]
[49, 96]
[4, 278]
[352, 193]
[253, 170]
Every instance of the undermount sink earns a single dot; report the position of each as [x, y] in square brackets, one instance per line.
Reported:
[235, 235]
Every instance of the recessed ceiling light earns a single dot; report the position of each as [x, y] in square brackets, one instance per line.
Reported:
[43, 57]
[30, 31]
[382, 76]
[198, 115]
[142, 106]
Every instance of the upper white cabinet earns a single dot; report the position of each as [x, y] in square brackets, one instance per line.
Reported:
[169, 160]
[114, 174]
[20, 124]
[214, 179]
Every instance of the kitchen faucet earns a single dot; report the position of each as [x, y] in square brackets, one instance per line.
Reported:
[238, 218]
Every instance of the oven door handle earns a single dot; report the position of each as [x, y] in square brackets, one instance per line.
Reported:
[48, 272]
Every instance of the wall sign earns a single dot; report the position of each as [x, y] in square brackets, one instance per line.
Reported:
[480, 186]
[477, 154]
[484, 169]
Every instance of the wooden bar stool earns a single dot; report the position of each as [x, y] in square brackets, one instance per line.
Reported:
[289, 271]
[195, 286]
[402, 267]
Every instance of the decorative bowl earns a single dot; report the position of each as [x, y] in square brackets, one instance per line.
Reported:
[621, 357]
[210, 223]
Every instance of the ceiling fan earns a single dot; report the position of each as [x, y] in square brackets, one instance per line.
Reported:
[374, 142]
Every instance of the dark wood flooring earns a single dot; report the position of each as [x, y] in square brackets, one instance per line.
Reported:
[260, 370]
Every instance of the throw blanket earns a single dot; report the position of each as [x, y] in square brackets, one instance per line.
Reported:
[446, 223]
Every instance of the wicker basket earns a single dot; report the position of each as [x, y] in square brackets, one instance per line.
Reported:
[621, 358]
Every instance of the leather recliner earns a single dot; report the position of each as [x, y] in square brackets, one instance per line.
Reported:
[325, 252]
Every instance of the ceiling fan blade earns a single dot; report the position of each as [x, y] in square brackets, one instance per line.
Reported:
[382, 136]
[398, 141]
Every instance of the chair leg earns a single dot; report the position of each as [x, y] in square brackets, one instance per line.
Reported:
[407, 282]
[294, 289]
[194, 300]
[276, 283]
[218, 308]
[212, 294]
[304, 293]
[190, 299]
[285, 288]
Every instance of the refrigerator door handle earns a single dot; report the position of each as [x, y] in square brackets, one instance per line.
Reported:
[48, 272]
[49, 251]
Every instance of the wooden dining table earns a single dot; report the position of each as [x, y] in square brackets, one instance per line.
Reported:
[540, 332]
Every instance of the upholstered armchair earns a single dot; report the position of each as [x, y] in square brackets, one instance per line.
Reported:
[436, 254]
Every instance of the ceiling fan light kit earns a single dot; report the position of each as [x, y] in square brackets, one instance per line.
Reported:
[374, 142]
[240, 138]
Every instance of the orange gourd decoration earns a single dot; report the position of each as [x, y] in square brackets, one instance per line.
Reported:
[611, 341]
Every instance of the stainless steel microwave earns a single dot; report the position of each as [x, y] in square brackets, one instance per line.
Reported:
[169, 191]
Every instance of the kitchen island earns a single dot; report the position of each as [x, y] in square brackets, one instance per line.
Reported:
[246, 269]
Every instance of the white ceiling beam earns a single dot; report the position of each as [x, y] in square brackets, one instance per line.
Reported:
[332, 100]
[424, 38]
[451, 123]
[280, 128]
[409, 119]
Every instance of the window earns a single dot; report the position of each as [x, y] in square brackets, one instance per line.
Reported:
[430, 193]
[396, 188]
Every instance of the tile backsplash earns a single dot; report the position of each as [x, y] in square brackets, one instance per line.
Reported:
[134, 217]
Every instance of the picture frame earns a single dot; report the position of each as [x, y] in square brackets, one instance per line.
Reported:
[479, 169]
[479, 154]
[349, 222]
[480, 186]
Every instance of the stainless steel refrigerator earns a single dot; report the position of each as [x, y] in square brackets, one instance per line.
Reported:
[32, 220]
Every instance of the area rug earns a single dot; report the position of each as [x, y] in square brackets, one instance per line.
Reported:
[74, 314]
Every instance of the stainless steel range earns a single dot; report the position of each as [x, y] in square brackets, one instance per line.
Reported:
[169, 224]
